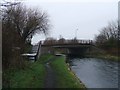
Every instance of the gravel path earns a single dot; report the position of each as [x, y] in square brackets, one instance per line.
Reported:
[50, 78]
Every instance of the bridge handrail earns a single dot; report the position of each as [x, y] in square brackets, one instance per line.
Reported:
[70, 42]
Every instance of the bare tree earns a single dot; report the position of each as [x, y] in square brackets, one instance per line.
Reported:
[108, 39]
[6, 3]
[100, 39]
[27, 22]
[50, 41]
[109, 32]
[61, 41]
[19, 24]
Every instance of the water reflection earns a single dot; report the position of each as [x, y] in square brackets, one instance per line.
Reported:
[96, 73]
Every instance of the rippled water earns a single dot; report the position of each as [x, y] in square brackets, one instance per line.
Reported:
[96, 73]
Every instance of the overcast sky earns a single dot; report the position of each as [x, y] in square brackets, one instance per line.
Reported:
[68, 15]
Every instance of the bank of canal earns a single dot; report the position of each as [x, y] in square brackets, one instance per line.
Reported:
[96, 73]
[65, 77]
[39, 74]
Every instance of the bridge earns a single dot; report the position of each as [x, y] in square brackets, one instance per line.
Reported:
[76, 47]
[69, 47]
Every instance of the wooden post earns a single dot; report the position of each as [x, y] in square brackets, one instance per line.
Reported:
[38, 51]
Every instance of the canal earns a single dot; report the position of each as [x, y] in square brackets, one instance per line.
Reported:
[96, 73]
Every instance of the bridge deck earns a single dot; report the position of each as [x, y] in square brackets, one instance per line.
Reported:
[68, 42]
[68, 45]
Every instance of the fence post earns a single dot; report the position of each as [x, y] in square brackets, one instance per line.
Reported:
[38, 51]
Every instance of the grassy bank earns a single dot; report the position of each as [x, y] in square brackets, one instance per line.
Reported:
[65, 78]
[32, 76]
[105, 57]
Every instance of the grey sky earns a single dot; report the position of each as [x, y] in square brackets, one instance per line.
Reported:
[66, 17]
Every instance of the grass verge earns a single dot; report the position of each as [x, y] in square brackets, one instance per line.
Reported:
[31, 76]
[65, 78]
[106, 57]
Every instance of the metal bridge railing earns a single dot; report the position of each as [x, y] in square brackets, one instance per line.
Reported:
[57, 42]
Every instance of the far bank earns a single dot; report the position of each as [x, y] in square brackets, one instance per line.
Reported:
[105, 57]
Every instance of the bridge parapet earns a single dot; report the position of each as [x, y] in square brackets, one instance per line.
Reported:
[69, 42]
[85, 41]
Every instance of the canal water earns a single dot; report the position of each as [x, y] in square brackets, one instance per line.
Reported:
[96, 73]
